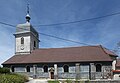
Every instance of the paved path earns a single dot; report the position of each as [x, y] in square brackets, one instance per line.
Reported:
[37, 81]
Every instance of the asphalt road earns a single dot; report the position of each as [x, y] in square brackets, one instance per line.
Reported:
[37, 81]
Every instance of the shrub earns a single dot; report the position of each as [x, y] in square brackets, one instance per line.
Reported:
[4, 70]
[12, 78]
[24, 77]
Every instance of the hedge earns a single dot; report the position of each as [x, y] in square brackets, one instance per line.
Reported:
[4, 70]
[12, 78]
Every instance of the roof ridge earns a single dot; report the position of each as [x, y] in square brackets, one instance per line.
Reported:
[67, 47]
[103, 49]
[106, 49]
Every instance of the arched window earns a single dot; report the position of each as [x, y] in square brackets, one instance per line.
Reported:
[28, 68]
[22, 40]
[34, 44]
[12, 69]
[66, 68]
[45, 68]
[98, 67]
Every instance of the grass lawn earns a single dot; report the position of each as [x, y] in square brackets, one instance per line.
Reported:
[53, 81]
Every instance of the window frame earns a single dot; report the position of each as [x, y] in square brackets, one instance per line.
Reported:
[12, 69]
[45, 68]
[22, 40]
[66, 68]
[34, 43]
[98, 67]
[27, 68]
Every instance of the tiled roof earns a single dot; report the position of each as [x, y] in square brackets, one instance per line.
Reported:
[71, 54]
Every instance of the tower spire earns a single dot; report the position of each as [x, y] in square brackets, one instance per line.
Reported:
[27, 8]
[27, 16]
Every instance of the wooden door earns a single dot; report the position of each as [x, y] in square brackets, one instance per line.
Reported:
[52, 75]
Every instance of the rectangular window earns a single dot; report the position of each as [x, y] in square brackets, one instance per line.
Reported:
[22, 40]
[19, 69]
[84, 68]
[28, 68]
[34, 44]
[45, 68]
[84, 71]
[66, 68]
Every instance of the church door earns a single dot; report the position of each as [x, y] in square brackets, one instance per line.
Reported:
[52, 75]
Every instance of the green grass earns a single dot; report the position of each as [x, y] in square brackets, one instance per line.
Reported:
[53, 81]
[68, 81]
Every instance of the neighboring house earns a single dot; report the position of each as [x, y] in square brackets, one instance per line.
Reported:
[85, 62]
[116, 72]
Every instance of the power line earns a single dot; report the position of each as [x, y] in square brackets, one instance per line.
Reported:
[52, 36]
[7, 24]
[67, 23]
[47, 34]
[64, 39]
[88, 19]
[59, 38]
[83, 20]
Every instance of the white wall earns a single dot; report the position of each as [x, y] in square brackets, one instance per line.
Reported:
[26, 44]
[113, 64]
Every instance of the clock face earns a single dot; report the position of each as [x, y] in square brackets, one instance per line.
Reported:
[22, 47]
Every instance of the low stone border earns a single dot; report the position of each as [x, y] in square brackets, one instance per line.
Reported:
[90, 81]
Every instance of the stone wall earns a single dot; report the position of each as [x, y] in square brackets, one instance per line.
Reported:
[76, 70]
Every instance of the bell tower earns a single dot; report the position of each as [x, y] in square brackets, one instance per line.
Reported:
[26, 37]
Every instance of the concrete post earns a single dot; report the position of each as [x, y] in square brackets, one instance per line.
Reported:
[34, 71]
[55, 71]
[113, 64]
[92, 71]
[77, 70]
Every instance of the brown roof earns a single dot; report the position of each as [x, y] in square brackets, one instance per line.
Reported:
[71, 54]
[109, 52]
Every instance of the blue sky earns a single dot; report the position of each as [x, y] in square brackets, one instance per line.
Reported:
[104, 31]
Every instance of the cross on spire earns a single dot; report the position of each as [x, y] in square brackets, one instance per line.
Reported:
[28, 16]
[27, 8]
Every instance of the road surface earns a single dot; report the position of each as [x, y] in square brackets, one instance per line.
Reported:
[37, 81]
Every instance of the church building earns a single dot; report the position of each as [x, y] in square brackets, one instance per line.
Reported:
[84, 62]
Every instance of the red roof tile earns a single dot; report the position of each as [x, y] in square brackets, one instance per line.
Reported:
[116, 71]
[71, 54]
